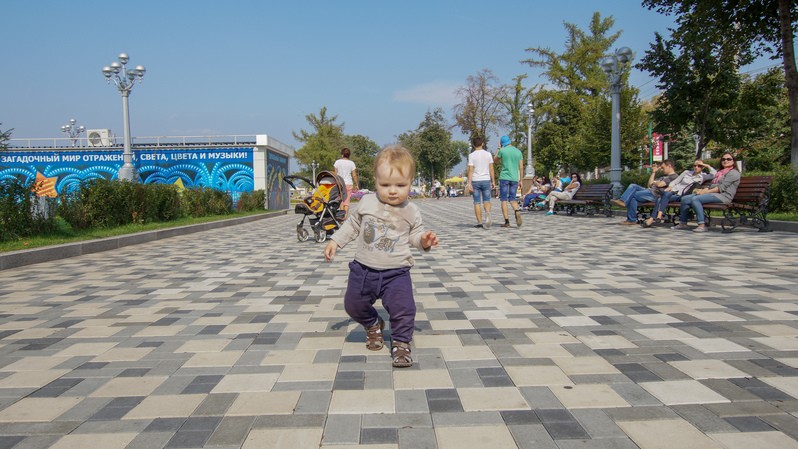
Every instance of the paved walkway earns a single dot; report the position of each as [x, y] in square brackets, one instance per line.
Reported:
[571, 332]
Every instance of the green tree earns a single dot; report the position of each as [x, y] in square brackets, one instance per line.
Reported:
[431, 145]
[755, 27]
[761, 123]
[575, 115]
[516, 101]
[700, 81]
[322, 143]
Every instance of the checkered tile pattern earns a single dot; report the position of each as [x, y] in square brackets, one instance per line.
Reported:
[569, 332]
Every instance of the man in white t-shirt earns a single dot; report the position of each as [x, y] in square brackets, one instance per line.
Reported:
[480, 180]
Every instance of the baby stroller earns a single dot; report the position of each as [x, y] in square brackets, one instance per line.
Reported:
[321, 207]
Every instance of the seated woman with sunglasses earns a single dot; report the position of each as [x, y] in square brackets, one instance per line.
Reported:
[679, 187]
[722, 190]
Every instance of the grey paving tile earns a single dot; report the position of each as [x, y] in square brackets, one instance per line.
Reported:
[342, 429]
[417, 438]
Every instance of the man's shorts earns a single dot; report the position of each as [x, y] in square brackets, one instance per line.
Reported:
[481, 191]
[507, 190]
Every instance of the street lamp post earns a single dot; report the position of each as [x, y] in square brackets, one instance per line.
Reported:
[697, 139]
[530, 163]
[124, 80]
[314, 165]
[73, 131]
[612, 66]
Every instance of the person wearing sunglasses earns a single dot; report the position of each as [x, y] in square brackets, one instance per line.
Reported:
[678, 188]
[722, 190]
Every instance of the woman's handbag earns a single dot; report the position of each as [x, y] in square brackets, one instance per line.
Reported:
[689, 189]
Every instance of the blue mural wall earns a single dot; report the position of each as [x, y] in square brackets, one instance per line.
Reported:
[228, 169]
[276, 169]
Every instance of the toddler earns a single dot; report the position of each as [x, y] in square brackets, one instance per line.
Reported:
[385, 225]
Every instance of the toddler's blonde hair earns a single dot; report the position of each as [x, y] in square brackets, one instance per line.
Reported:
[398, 158]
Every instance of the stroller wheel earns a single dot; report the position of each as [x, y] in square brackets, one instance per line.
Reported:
[302, 234]
[319, 235]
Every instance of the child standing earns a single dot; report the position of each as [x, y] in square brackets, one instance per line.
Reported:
[385, 225]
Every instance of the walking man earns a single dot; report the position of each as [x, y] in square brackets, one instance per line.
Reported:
[512, 167]
[480, 180]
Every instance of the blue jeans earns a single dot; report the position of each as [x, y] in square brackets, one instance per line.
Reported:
[640, 195]
[696, 202]
[507, 190]
[662, 202]
[481, 191]
[631, 190]
[531, 198]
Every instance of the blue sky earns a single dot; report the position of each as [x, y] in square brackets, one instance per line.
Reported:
[259, 67]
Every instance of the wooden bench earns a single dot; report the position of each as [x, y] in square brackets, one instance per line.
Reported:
[749, 207]
[590, 199]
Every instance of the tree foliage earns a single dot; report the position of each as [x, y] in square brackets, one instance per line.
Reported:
[753, 28]
[322, 143]
[575, 115]
[431, 145]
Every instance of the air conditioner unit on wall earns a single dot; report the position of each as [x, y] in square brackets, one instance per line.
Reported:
[99, 137]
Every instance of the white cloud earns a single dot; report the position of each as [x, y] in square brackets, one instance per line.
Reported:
[436, 93]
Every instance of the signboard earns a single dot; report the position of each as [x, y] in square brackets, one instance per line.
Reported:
[657, 148]
[227, 169]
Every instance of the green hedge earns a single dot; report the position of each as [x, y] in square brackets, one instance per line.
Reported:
[23, 214]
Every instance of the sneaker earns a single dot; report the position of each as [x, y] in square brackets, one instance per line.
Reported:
[680, 226]
[540, 204]
[550, 212]
[478, 226]
[701, 228]
[518, 218]
[618, 203]
[506, 225]
[487, 222]
[627, 223]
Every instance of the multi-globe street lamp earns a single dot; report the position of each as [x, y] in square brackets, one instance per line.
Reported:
[124, 79]
[530, 163]
[73, 131]
[314, 165]
[613, 67]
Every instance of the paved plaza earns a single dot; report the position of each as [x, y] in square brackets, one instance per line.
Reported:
[571, 332]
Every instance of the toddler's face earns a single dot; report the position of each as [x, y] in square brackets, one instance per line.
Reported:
[392, 186]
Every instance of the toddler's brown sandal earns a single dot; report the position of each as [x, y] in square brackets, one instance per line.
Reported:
[374, 340]
[400, 353]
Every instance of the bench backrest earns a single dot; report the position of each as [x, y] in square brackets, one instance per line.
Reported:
[752, 189]
[595, 192]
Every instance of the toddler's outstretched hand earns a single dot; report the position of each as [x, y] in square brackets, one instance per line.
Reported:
[329, 250]
[429, 240]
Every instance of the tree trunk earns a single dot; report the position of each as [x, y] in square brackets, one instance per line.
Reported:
[790, 74]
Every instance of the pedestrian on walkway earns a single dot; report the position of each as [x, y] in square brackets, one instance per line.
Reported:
[385, 226]
[346, 169]
[480, 180]
[512, 167]
[636, 194]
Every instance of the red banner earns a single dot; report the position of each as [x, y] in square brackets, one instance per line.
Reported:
[656, 147]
